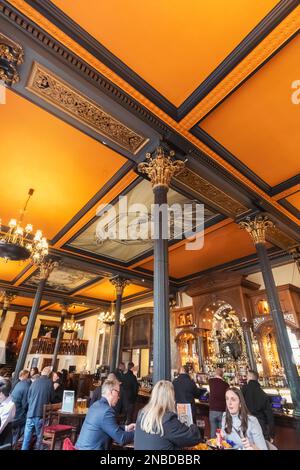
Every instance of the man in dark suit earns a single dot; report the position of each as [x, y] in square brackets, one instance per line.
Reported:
[258, 403]
[186, 389]
[119, 373]
[100, 426]
[39, 394]
[130, 392]
[19, 397]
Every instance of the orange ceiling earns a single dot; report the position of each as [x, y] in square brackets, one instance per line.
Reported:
[173, 45]
[26, 301]
[294, 199]
[73, 309]
[64, 166]
[220, 246]
[259, 123]
[9, 270]
[105, 290]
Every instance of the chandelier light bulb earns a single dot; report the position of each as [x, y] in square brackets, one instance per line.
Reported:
[14, 244]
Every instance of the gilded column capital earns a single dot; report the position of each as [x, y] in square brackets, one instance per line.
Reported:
[46, 268]
[120, 283]
[11, 55]
[161, 168]
[7, 298]
[257, 228]
[295, 252]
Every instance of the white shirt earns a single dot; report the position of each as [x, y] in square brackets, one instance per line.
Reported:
[7, 412]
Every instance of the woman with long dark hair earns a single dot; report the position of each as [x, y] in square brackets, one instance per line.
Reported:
[239, 426]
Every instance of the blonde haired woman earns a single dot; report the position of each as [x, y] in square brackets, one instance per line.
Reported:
[158, 427]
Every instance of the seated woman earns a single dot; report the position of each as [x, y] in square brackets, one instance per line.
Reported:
[158, 427]
[239, 426]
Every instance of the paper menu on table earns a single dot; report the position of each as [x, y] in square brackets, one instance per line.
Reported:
[184, 412]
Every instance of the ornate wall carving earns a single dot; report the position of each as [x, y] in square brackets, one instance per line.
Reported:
[45, 84]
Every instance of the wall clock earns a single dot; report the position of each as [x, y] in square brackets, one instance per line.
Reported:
[24, 321]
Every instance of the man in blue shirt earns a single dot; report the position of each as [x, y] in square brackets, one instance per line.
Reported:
[100, 426]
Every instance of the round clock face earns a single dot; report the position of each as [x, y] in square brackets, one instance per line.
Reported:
[24, 321]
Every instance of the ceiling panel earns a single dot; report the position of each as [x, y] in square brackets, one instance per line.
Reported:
[64, 279]
[259, 124]
[10, 269]
[294, 199]
[220, 246]
[64, 166]
[174, 45]
[138, 203]
[26, 301]
[106, 291]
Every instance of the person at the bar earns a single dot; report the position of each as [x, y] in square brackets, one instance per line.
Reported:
[7, 406]
[100, 426]
[130, 390]
[258, 403]
[239, 426]
[217, 404]
[158, 427]
[19, 397]
[186, 389]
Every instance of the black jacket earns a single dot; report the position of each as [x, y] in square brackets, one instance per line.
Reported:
[57, 395]
[120, 375]
[130, 387]
[186, 391]
[40, 393]
[176, 435]
[19, 397]
[258, 403]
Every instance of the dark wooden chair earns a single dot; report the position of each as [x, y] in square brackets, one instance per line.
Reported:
[53, 431]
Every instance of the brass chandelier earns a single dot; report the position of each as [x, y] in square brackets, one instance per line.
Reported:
[108, 317]
[19, 244]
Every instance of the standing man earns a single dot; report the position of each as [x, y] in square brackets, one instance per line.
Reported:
[39, 394]
[186, 389]
[19, 397]
[100, 426]
[130, 390]
[217, 402]
[258, 403]
[7, 406]
[119, 373]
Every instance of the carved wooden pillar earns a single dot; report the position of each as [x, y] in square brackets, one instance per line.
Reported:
[160, 170]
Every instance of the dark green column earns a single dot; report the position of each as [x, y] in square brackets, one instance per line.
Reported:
[45, 271]
[161, 320]
[257, 228]
[119, 284]
[59, 336]
[249, 347]
[160, 169]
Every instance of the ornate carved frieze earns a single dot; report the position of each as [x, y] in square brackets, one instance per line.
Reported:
[11, 55]
[45, 84]
[211, 193]
[279, 238]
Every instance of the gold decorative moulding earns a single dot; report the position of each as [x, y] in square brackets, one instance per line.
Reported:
[51, 88]
[211, 193]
